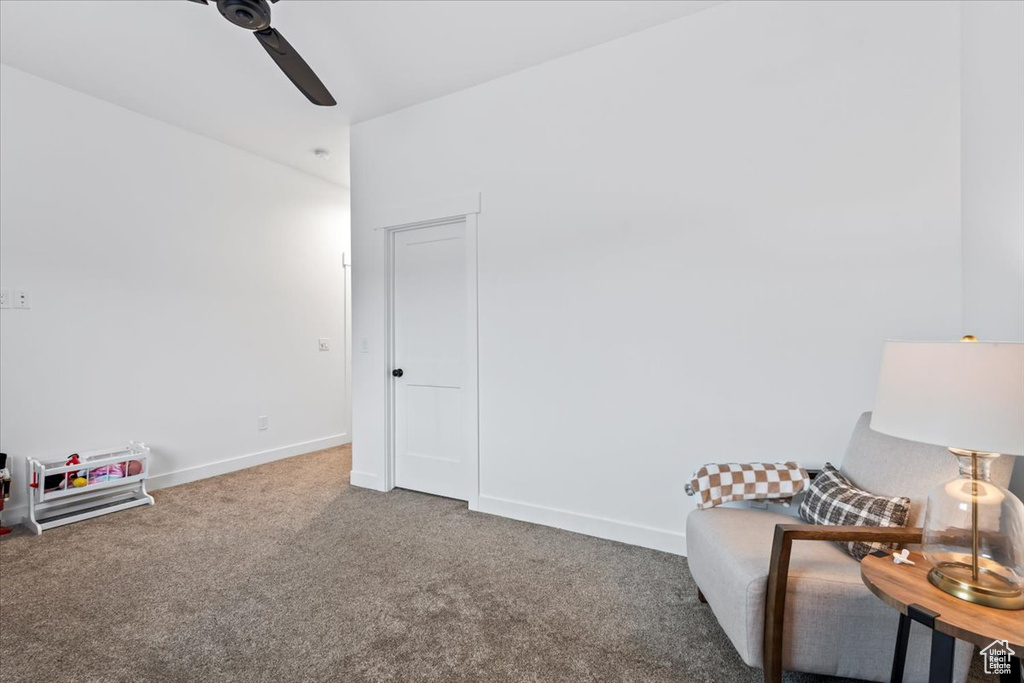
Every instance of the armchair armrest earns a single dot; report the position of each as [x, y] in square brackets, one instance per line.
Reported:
[787, 533]
[778, 574]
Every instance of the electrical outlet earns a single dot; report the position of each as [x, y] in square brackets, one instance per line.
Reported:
[5, 298]
[262, 422]
[364, 345]
[22, 299]
[325, 344]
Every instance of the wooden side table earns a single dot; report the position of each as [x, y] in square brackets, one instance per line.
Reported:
[906, 588]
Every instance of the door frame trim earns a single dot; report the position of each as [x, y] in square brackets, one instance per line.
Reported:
[442, 208]
[471, 427]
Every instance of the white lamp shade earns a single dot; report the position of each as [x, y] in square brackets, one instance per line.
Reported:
[967, 395]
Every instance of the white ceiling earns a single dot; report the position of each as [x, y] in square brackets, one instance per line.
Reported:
[183, 63]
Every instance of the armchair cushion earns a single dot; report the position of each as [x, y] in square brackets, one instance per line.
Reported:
[730, 550]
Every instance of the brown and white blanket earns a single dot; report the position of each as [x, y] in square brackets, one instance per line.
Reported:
[718, 483]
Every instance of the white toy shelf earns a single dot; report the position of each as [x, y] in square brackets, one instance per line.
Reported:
[56, 507]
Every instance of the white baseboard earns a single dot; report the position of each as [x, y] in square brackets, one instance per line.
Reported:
[241, 462]
[14, 515]
[635, 534]
[365, 480]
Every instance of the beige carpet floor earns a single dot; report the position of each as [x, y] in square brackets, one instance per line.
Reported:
[284, 572]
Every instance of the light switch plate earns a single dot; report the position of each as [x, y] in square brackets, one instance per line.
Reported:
[325, 344]
[5, 298]
[262, 422]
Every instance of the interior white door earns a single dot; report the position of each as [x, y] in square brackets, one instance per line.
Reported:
[430, 370]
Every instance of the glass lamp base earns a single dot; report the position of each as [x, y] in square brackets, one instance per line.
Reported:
[973, 536]
[991, 589]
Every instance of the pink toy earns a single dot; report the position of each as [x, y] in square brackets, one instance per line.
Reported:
[114, 471]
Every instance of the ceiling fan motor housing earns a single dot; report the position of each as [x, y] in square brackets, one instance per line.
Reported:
[253, 15]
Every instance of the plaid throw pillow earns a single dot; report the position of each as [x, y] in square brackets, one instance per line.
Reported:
[719, 483]
[832, 499]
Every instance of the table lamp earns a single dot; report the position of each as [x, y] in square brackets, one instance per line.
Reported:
[969, 397]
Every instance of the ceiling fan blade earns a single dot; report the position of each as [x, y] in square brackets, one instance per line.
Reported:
[202, 2]
[294, 67]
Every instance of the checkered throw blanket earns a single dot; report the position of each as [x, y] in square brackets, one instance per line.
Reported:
[715, 484]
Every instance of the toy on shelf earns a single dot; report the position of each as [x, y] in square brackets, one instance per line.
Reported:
[71, 476]
[87, 485]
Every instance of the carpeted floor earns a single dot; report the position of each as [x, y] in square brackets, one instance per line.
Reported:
[286, 573]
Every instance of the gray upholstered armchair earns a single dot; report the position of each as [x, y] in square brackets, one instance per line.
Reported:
[788, 598]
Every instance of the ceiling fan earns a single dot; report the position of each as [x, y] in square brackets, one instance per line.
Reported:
[254, 15]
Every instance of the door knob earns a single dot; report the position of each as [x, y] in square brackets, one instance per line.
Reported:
[397, 372]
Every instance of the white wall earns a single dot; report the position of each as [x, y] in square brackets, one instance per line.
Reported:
[992, 158]
[992, 161]
[693, 243]
[178, 290]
